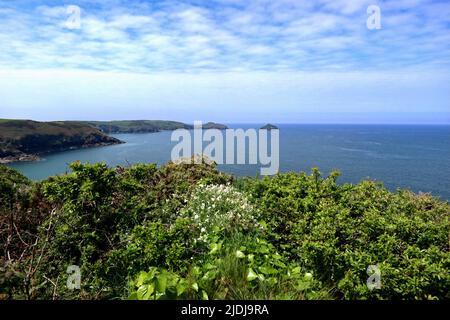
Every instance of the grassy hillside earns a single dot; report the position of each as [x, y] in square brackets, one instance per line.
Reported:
[137, 126]
[142, 126]
[26, 139]
[186, 231]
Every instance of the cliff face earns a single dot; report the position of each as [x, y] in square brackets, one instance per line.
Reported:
[22, 140]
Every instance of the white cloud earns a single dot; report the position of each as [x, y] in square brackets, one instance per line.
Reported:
[163, 58]
[225, 35]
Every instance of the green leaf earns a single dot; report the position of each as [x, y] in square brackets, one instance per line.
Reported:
[251, 275]
[263, 224]
[240, 254]
[268, 270]
[141, 291]
[196, 271]
[152, 272]
[209, 266]
[296, 270]
[133, 296]
[181, 287]
[145, 292]
[195, 286]
[161, 283]
[150, 290]
[209, 275]
[215, 247]
[141, 279]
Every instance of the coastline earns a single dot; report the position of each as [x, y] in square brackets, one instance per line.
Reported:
[27, 140]
[20, 158]
[24, 157]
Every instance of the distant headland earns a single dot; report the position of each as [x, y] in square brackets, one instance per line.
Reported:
[146, 126]
[27, 140]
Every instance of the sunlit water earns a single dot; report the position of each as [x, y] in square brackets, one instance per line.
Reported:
[413, 157]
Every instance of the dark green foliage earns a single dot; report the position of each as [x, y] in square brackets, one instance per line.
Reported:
[188, 231]
[152, 244]
[338, 231]
[99, 210]
[12, 185]
[22, 211]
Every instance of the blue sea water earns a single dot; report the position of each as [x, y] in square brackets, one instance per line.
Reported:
[416, 157]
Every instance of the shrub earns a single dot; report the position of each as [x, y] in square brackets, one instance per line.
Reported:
[22, 211]
[187, 231]
[241, 267]
[338, 231]
[153, 244]
[99, 211]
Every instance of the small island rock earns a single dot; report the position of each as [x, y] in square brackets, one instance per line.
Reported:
[269, 127]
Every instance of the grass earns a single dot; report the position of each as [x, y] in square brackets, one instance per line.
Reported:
[16, 129]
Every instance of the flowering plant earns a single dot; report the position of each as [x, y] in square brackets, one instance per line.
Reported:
[220, 207]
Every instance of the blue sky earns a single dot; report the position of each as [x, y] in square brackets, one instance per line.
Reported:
[226, 60]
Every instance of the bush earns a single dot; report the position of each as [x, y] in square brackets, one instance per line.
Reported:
[338, 231]
[22, 211]
[99, 210]
[153, 244]
[187, 231]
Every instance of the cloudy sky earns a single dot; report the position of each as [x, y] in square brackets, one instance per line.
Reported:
[226, 60]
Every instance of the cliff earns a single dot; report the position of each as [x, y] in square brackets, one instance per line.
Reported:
[26, 140]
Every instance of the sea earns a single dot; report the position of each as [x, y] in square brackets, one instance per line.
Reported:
[414, 157]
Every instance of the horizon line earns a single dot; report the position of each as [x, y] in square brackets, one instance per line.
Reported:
[252, 123]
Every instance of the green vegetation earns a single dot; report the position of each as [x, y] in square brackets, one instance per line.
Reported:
[26, 139]
[137, 126]
[185, 231]
[142, 126]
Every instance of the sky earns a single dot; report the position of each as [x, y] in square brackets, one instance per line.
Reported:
[231, 61]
